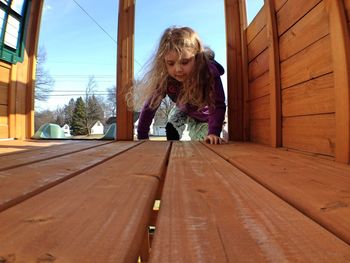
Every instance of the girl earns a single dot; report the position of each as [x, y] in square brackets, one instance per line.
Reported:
[190, 76]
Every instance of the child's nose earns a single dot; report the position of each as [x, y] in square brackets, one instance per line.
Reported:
[178, 67]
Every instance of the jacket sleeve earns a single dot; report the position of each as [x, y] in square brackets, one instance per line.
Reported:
[217, 114]
[145, 120]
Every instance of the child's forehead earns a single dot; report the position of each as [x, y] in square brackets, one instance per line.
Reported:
[174, 55]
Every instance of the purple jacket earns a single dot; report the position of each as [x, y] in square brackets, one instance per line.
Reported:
[215, 117]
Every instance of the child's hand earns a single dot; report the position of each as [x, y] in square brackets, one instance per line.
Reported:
[213, 139]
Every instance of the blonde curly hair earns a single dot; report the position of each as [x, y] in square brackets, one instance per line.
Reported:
[196, 90]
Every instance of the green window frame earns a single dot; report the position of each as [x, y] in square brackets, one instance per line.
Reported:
[13, 21]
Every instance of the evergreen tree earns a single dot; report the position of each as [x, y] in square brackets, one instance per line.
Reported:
[94, 112]
[79, 118]
[68, 112]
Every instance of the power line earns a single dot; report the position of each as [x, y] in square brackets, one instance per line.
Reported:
[94, 20]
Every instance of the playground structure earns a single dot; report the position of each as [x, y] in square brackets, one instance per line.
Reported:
[277, 192]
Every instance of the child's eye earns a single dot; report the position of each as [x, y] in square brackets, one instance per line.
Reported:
[185, 61]
[170, 63]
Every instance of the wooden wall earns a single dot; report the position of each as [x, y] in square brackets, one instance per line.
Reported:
[17, 85]
[4, 99]
[306, 95]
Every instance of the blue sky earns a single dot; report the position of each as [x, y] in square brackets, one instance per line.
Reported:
[77, 47]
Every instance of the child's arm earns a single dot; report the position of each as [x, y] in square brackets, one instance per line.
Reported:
[217, 115]
[145, 120]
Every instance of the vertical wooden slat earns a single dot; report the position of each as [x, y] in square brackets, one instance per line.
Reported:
[12, 102]
[274, 75]
[246, 122]
[341, 66]
[32, 44]
[125, 67]
[234, 70]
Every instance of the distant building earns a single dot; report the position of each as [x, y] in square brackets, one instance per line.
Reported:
[97, 128]
[66, 130]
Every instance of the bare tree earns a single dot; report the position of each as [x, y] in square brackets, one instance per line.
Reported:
[93, 107]
[112, 101]
[44, 82]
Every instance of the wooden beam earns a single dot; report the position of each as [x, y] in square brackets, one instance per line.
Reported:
[32, 47]
[244, 45]
[12, 102]
[340, 42]
[234, 70]
[125, 68]
[274, 75]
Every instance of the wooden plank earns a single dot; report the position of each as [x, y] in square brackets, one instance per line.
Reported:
[13, 146]
[3, 94]
[257, 45]
[4, 74]
[311, 62]
[32, 48]
[98, 216]
[4, 131]
[4, 128]
[19, 184]
[258, 66]
[256, 25]
[274, 75]
[315, 23]
[125, 68]
[260, 108]
[340, 41]
[235, 81]
[279, 4]
[3, 115]
[12, 103]
[312, 97]
[259, 87]
[245, 84]
[317, 187]
[212, 212]
[43, 154]
[313, 133]
[291, 12]
[260, 131]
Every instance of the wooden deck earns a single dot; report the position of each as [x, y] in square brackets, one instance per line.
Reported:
[93, 201]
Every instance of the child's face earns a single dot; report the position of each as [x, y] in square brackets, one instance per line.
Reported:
[180, 67]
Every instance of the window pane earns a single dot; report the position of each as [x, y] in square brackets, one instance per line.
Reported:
[17, 6]
[12, 30]
[2, 17]
[6, 2]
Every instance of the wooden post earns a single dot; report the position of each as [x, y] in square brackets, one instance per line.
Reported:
[274, 76]
[244, 45]
[32, 47]
[339, 34]
[125, 68]
[234, 70]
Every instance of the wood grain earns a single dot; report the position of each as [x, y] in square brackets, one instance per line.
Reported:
[256, 25]
[312, 27]
[99, 216]
[317, 187]
[28, 156]
[313, 133]
[19, 184]
[310, 63]
[212, 212]
[259, 87]
[291, 12]
[312, 97]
